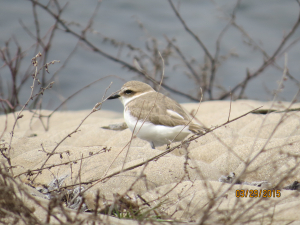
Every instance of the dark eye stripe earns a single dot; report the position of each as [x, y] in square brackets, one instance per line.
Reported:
[128, 92]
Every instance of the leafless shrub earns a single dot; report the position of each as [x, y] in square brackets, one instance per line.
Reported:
[12, 207]
[150, 68]
[66, 202]
[13, 62]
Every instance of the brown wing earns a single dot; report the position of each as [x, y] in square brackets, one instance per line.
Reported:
[159, 114]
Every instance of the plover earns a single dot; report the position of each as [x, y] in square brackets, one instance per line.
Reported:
[153, 116]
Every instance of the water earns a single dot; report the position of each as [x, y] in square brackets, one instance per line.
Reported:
[265, 21]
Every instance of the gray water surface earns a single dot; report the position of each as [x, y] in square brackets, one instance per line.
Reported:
[265, 21]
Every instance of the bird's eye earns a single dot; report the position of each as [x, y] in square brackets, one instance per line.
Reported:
[128, 92]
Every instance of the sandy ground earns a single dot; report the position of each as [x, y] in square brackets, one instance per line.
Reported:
[180, 184]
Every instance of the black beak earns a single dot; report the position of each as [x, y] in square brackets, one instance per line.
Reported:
[114, 96]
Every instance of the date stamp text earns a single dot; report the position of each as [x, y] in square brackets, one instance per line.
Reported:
[255, 193]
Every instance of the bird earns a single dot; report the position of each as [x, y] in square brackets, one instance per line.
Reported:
[154, 117]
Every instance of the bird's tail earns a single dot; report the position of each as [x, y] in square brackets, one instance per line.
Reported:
[198, 129]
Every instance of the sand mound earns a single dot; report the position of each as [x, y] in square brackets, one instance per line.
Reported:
[181, 184]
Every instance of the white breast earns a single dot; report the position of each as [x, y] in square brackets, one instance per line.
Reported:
[158, 134]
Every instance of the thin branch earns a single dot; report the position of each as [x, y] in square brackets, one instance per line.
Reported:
[188, 65]
[106, 55]
[155, 158]
[191, 32]
[96, 108]
[266, 63]
[216, 57]
[68, 98]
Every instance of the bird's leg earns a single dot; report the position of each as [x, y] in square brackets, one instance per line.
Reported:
[185, 145]
[152, 145]
[168, 147]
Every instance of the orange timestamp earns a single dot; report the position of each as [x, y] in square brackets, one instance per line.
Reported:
[240, 193]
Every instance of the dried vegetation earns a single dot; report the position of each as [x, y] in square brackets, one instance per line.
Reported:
[23, 200]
